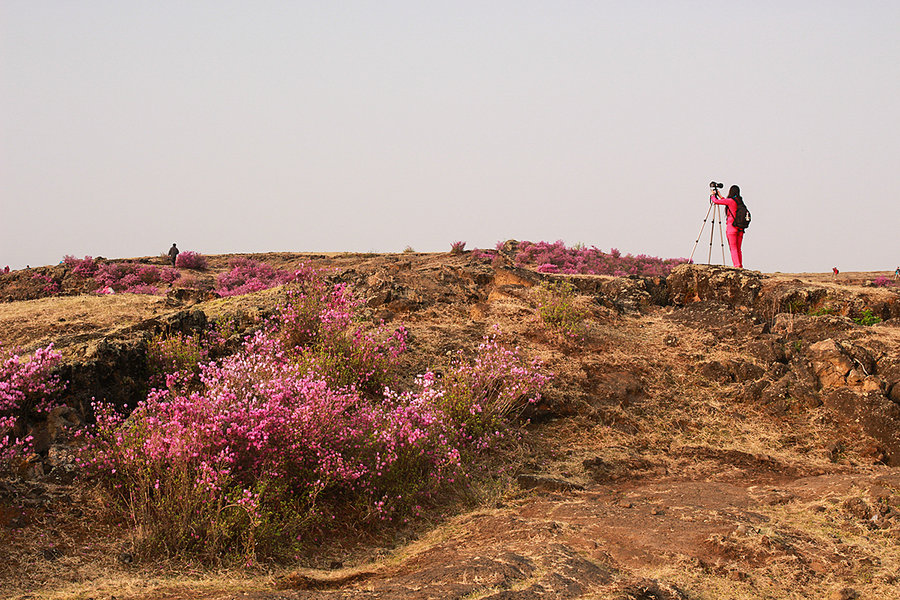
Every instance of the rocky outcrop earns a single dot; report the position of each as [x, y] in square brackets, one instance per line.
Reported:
[875, 414]
[843, 376]
[734, 287]
[766, 298]
[844, 365]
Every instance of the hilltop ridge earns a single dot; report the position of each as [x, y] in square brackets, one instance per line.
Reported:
[715, 433]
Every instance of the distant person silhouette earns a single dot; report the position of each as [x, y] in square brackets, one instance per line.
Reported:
[735, 235]
[897, 273]
[834, 271]
[173, 253]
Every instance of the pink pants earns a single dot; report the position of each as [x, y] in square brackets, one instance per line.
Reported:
[735, 238]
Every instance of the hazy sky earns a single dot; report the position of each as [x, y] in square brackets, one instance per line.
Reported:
[372, 126]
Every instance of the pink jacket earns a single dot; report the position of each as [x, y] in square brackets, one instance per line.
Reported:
[731, 205]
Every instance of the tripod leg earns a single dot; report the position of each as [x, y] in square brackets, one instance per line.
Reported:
[700, 234]
[712, 231]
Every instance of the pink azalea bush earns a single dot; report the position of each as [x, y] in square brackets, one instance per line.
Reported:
[190, 260]
[483, 256]
[300, 427]
[133, 278]
[82, 267]
[457, 247]
[317, 320]
[557, 258]
[483, 393]
[248, 275]
[49, 285]
[26, 386]
[177, 358]
[882, 281]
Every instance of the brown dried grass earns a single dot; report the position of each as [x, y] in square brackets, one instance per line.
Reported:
[33, 323]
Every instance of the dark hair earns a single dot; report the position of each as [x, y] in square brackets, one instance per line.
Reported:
[735, 193]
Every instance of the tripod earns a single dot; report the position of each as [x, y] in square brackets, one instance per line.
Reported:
[712, 229]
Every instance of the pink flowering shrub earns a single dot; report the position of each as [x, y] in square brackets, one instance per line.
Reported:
[298, 428]
[483, 256]
[481, 394]
[48, 284]
[882, 281]
[82, 267]
[133, 278]
[26, 386]
[175, 360]
[247, 275]
[557, 258]
[317, 322]
[457, 247]
[190, 260]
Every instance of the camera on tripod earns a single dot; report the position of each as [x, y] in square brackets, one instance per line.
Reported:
[714, 188]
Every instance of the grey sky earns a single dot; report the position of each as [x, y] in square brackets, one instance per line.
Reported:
[372, 126]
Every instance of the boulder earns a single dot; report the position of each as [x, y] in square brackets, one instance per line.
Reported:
[878, 416]
[830, 363]
[844, 364]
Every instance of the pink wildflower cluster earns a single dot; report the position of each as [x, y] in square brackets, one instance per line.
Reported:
[496, 385]
[298, 427]
[484, 256]
[247, 275]
[50, 285]
[557, 258]
[457, 247]
[882, 281]
[318, 322]
[176, 359]
[25, 386]
[190, 260]
[133, 278]
[82, 267]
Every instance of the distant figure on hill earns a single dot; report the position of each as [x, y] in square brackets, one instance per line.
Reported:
[734, 233]
[6, 270]
[896, 272]
[834, 271]
[173, 253]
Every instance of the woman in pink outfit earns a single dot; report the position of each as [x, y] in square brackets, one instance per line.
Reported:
[735, 235]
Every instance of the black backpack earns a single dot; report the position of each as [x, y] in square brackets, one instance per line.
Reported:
[741, 217]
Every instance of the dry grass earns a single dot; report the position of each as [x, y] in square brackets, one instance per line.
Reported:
[174, 585]
[34, 323]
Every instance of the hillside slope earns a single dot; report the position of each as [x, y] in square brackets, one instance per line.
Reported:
[715, 434]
